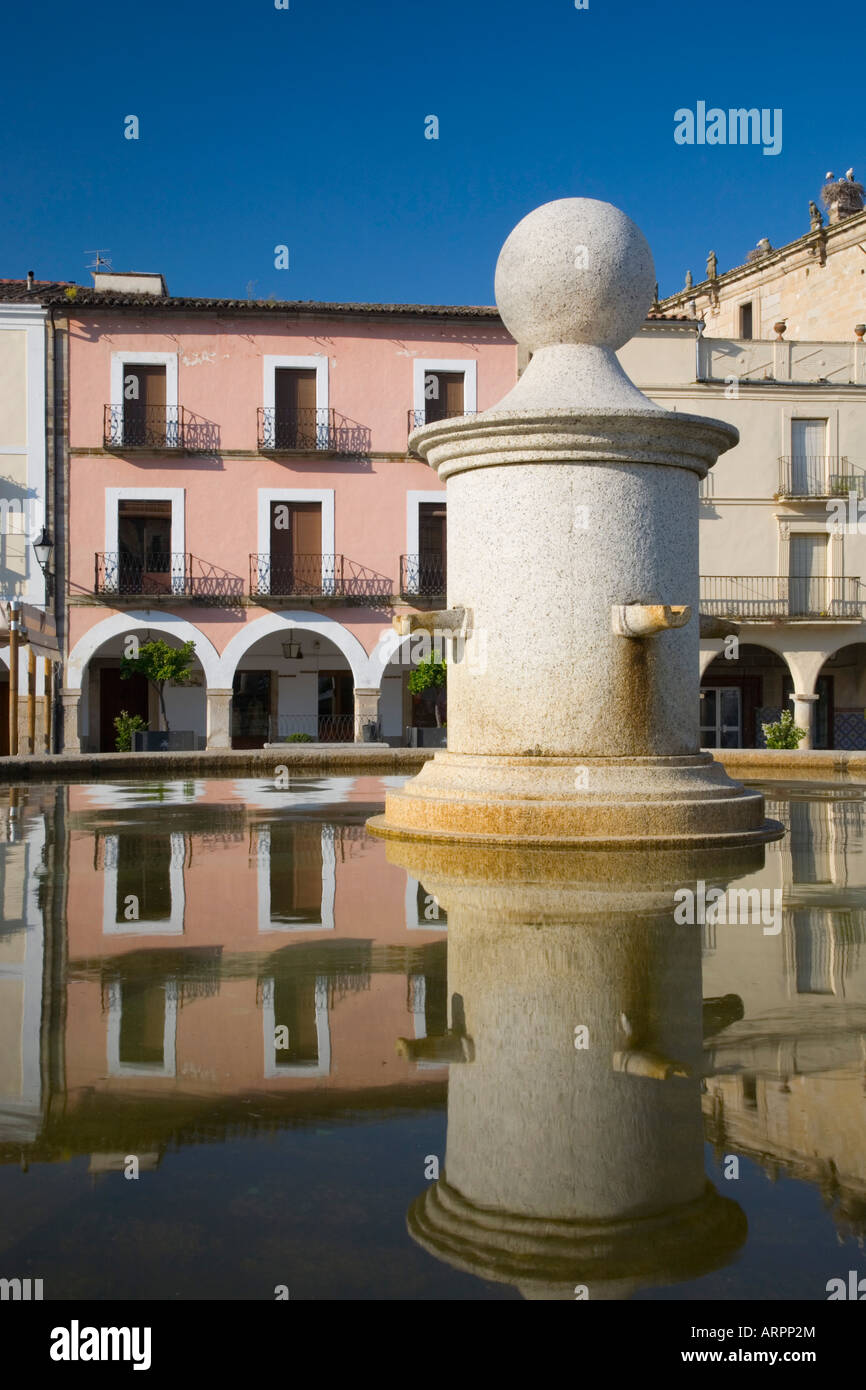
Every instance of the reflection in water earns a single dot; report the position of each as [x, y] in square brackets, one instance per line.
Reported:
[217, 963]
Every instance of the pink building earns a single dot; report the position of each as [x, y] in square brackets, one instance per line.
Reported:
[239, 476]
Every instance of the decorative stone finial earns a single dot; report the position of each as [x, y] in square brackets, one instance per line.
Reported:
[574, 282]
[574, 271]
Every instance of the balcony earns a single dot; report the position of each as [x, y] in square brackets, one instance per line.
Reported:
[805, 476]
[154, 428]
[768, 598]
[422, 576]
[306, 430]
[163, 573]
[317, 577]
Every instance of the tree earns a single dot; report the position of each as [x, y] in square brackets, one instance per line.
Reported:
[159, 663]
[431, 678]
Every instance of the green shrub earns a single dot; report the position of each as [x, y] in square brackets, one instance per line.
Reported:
[783, 734]
[300, 738]
[125, 726]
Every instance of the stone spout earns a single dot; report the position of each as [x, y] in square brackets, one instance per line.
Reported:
[646, 619]
[449, 1047]
[458, 620]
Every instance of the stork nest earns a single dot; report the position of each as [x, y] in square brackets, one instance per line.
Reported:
[842, 191]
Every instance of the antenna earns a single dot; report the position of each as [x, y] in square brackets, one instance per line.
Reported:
[102, 262]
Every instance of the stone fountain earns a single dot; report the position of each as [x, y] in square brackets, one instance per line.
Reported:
[573, 576]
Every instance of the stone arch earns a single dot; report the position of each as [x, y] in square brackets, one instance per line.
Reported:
[88, 645]
[760, 672]
[323, 626]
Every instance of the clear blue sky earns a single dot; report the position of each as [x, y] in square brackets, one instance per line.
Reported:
[305, 127]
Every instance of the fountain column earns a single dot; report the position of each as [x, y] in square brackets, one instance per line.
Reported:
[573, 575]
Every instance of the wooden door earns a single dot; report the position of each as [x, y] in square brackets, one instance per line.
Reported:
[295, 408]
[116, 695]
[443, 395]
[144, 406]
[296, 548]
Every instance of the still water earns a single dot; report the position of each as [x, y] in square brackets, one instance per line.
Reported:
[245, 1046]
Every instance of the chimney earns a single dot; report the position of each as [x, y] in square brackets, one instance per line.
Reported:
[30, 279]
[129, 282]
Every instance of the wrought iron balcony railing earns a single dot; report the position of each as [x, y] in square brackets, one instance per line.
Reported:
[307, 429]
[805, 475]
[763, 597]
[422, 576]
[163, 572]
[316, 576]
[135, 426]
[417, 418]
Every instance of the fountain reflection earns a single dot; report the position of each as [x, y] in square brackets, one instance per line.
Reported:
[207, 961]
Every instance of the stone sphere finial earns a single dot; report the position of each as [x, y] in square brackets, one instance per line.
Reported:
[574, 271]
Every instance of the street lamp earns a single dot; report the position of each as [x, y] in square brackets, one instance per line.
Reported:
[43, 548]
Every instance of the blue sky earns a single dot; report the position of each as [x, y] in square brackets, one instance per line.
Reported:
[305, 127]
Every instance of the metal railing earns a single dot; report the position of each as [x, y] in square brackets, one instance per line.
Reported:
[775, 596]
[316, 576]
[304, 575]
[309, 428]
[134, 426]
[422, 576]
[805, 475]
[327, 728]
[163, 572]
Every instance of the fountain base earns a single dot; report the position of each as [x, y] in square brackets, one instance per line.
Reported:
[604, 803]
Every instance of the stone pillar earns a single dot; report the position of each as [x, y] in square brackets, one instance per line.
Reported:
[366, 710]
[219, 718]
[71, 702]
[803, 715]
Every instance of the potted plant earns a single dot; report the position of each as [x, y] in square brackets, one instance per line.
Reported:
[159, 663]
[429, 684]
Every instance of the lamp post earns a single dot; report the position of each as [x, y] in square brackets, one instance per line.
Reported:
[43, 548]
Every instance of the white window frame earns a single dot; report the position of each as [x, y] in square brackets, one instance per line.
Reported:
[132, 358]
[413, 516]
[467, 365]
[174, 495]
[143, 927]
[323, 1034]
[329, 885]
[324, 496]
[319, 364]
[169, 1037]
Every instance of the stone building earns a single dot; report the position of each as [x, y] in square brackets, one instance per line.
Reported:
[815, 286]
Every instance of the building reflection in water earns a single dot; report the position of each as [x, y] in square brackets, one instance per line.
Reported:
[199, 960]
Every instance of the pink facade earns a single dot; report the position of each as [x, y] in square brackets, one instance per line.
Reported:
[366, 372]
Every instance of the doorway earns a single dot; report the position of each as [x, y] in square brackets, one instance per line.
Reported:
[116, 695]
[336, 707]
[251, 709]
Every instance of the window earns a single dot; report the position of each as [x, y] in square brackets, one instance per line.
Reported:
[296, 423]
[144, 411]
[746, 320]
[144, 407]
[808, 587]
[720, 717]
[296, 548]
[432, 549]
[295, 412]
[443, 388]
[808, 457]
[143, 546]
[443, 395]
